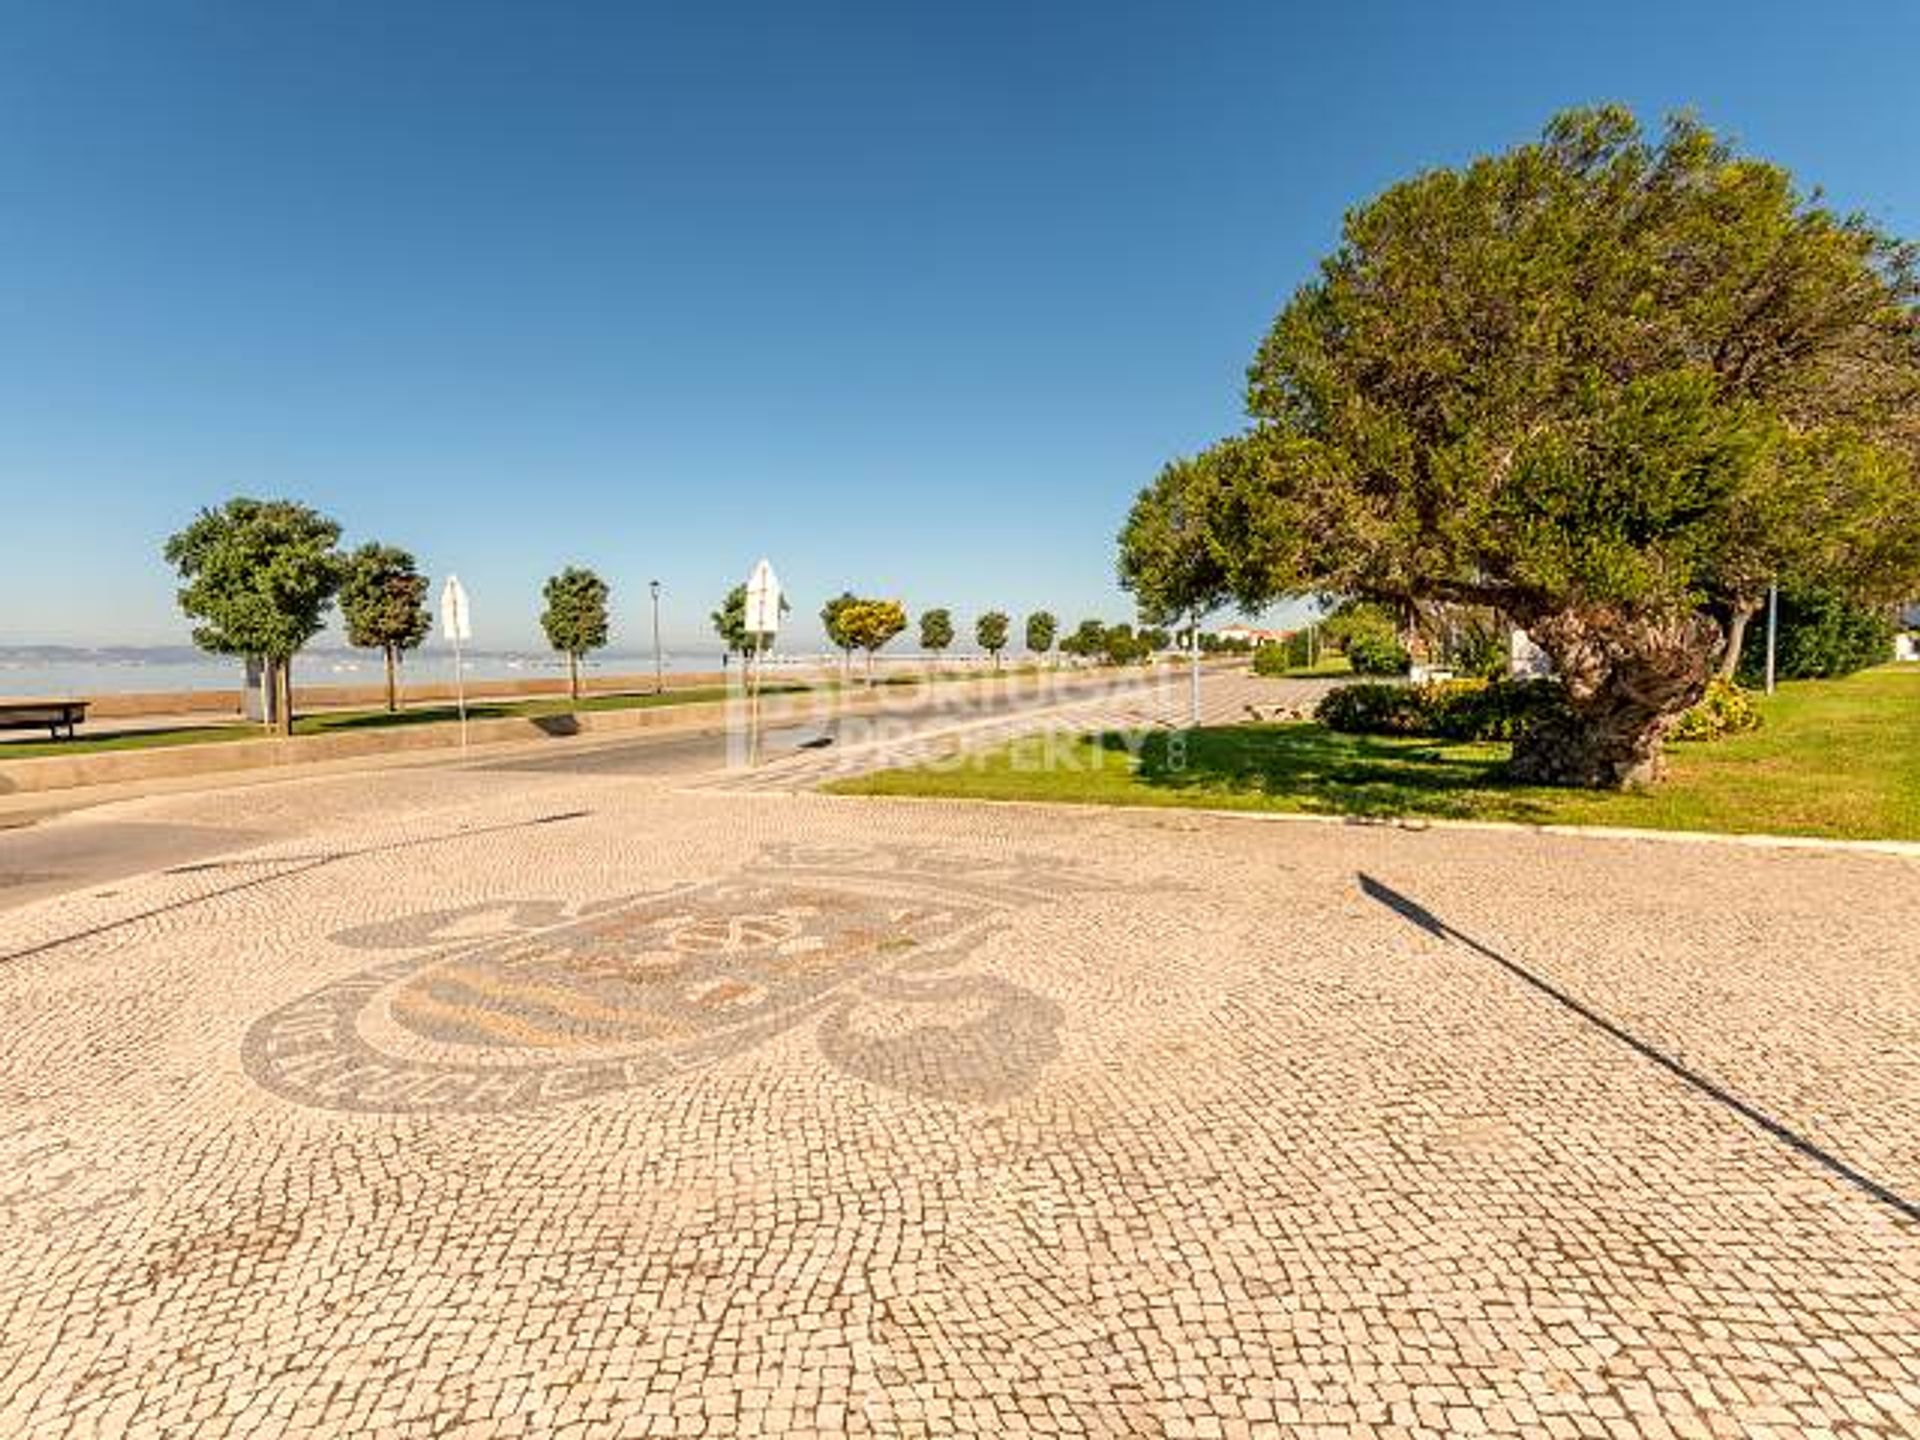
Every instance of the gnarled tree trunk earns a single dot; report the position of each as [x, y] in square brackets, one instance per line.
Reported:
[1736, 640]
[1628, 678]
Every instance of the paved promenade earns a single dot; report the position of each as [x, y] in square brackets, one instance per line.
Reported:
[529, 1101]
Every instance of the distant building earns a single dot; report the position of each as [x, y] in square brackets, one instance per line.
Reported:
[1526, 660]
[1248, 635]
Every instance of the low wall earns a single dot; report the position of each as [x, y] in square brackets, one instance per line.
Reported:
[133, 703]
[109, 767]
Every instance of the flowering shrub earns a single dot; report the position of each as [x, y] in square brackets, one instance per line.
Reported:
[1725, 709]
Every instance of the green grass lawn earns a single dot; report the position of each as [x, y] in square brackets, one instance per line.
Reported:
[1326, 665]
[1836, 758]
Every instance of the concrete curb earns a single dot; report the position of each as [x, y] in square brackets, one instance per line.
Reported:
[1894, 849]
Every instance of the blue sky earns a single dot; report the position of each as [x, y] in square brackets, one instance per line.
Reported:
[910, 297]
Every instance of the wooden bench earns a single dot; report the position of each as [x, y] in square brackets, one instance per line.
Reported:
[32, 714]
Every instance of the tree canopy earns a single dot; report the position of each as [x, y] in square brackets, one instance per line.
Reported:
[990, 630]
[870, 624]
[1170, 556]
[1087, 640]
[575, 618]
[830, 620]
[936, 630]
[1042, 628]
[730, 621]
[383, 599]
[1607, 385]
[258, 575]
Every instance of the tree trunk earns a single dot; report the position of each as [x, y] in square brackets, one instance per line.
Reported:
[393, 694]
[283, 692]
[1627, 678]
[1736, 640]
[573, 676]
[869, 669]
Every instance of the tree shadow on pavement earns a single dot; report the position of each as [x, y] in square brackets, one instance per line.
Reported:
[1414, 913]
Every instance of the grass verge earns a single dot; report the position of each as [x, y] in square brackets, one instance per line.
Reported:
[338, 722]
[1837, 758]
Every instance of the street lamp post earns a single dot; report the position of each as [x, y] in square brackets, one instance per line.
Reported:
[1773, 631]
[658, 684]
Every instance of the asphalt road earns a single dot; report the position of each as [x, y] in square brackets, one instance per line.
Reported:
[94, 849]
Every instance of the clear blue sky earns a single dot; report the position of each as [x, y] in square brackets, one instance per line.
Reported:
[911, 297]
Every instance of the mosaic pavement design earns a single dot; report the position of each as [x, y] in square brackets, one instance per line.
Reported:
[975, 1125]
[510, 1005]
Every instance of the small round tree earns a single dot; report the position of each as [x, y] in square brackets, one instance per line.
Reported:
[936, 631]
[383, 600]
[990, 630]
[1088, 640]
[575, 618]
[1042, 628]
[730, 624]
[870, 624]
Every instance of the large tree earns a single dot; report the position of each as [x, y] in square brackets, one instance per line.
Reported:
[575, 617]
[936, 631]
[1608, 386]
[1171, 557]
[869, 624]
[383, 599]
[259, 577]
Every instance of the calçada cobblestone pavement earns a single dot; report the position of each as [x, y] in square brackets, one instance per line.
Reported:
[481, 1101]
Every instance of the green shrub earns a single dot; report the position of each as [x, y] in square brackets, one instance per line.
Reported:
[1272, 660]
[1375, 710]
[1490, 709]
[1366, 633]
[1447, 709]
[1374, 654]
[1822, 636]
[1725, 709]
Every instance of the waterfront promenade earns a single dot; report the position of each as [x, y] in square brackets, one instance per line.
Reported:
[554, 1095]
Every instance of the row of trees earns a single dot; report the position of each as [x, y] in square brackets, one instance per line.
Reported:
[854, 623]
[1606, 387]
[259, 577]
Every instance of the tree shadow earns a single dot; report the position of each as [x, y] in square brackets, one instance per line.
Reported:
[383, 720]
[1414, 913]
[1359, 775]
